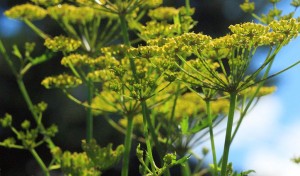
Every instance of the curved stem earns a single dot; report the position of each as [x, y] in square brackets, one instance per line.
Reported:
[211, 134]
[233, 96]
[125, 165]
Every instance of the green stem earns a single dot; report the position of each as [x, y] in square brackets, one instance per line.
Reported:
[185, 169]
[211, 134]
[146, 134]
[125, 165]
[124, 30]
[7, 59]
[169, 130]
[154, 136]
[30, 106]
[24, 93]
[125, 35]
[35, 29]
[130, 118]
[188, 7]
[40, 162]
[89, 120]
[233, 96]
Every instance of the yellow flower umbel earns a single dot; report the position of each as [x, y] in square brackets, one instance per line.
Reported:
[26, 11]
[62, 81]
[62, 43]
[46, 3]
[71, 14]
[163, 13]
[247, 6]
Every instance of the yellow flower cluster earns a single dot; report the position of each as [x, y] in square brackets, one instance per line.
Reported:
[62, 43]
[26, 11]
[117, 51]
[71, 14]
[61, 81]
[217, 48]
[295, 3]
[290, 28]
[46, 3]
[163, 13]
[247, 6]
[76, 60]
[154, 29]
[262, 91]
[152, 3]
[101, 75]
[249, 34]
[77, 164]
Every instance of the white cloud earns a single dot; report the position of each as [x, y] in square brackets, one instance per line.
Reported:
[268, 145]
[260, 123]
[263, 144]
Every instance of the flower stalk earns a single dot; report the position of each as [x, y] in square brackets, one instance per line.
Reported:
[233, 96]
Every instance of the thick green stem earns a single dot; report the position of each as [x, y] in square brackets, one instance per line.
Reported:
[233, 96]
[130, 119]
[211, 134]
[89, 120]
[185, 169]
[40, 162]
[126, 157]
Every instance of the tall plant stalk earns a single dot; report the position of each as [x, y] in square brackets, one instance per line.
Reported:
[233, 96]
[89, 118]
[128, 140]
[125, 164]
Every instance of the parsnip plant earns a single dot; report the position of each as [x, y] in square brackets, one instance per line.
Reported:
[170, 86]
